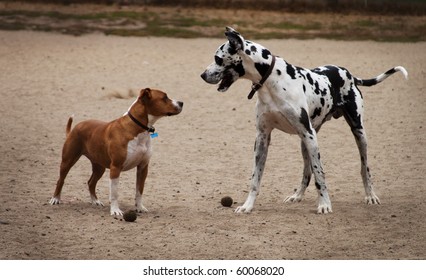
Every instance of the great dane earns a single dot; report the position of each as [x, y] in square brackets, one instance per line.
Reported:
[297, 101]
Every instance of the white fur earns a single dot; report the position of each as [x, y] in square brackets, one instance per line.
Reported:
[55, 200]
[139, 151]
[138, 201]
[113, 197]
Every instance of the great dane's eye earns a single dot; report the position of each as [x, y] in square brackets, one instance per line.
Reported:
[218, 60]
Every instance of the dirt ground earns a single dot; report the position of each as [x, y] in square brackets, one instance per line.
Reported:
[204, 154]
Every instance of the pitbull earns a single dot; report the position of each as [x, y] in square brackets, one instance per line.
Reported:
[119, 145]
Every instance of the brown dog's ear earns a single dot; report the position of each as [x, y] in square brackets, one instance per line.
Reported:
[145, 95]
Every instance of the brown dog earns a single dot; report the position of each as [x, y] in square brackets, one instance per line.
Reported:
[119, 145]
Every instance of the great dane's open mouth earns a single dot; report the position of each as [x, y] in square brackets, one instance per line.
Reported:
[226, 82]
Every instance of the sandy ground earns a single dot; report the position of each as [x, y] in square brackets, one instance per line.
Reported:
[204, 154]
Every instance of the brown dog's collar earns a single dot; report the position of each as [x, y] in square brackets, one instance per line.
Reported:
[256, 86]
[149, 129]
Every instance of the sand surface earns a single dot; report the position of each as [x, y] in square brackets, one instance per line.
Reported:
[204, 154]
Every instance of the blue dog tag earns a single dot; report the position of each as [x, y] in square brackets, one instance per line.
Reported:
[154, 135]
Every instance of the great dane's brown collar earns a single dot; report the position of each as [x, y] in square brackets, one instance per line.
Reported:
[256, 86]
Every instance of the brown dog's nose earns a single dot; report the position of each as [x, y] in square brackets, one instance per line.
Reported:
[180, 103]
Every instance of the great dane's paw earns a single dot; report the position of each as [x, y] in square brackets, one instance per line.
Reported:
[141, 209]
[55, 200]
[324, 206]
[293, 198]
[243, 209]
[324, 209]
[372, 199]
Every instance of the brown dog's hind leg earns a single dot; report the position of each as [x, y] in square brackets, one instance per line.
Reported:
[97, 172]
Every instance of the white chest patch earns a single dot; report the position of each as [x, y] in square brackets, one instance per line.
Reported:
[138, 151]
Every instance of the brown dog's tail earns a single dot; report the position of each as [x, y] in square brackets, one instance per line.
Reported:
[69, 123]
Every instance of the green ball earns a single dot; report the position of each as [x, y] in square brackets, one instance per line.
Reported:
[130, 216]
[226, 201]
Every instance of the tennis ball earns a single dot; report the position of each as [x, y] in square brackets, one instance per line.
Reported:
[226, 201]
[130, 216]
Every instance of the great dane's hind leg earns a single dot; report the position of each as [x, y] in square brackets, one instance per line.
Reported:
[353, 116]
[361, 141]
[260, 154]
[309, 139]
[324, 203]
[307, 173]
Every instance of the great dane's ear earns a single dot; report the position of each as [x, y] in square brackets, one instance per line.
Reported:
[145, 95]
[235, 39]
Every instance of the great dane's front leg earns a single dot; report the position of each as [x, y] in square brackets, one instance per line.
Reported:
[261, 146]
[307, 173]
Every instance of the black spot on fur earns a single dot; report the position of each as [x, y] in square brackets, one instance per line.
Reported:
[304, 89]
[317, 113]
[308, 180]
[336, 81]
[317, 185]
[304, 119]
[291, 72]
[239, 69]
[265, 53]
[348, 75]
[308, 76]
[351, 113]
[300, 71]
[390, 71]
[278, 72]
[232, 50]
[253, 49]
[322, 101]
[262, 68]
[247, 52]
[316, 89]
[218, 60]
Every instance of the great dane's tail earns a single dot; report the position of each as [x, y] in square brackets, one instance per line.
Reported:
[381, 77]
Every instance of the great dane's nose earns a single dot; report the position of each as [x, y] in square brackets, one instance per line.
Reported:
[204, 75]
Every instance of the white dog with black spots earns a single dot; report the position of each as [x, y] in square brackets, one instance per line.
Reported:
[297, 101]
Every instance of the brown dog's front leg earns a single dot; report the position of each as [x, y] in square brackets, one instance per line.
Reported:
[142, 172]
